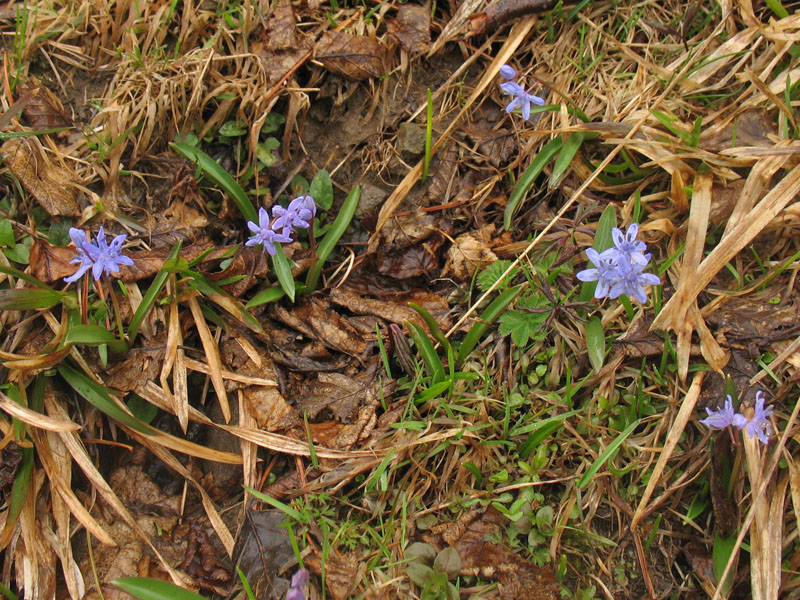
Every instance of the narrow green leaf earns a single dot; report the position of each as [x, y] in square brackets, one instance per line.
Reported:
[149, 299]
[88, 334]
[321, 189]
[526, 181]
[564, 160]
[285, 508]
[221, 177]
[146, 588]
[27, 299]
[19, 491]
[606, 454]
[283, 269]
[437, 389]
[8, 593]
[373, 480]
[266, 296]
[432, 325]
[99, 397]
[487, 317]
[721, 553]
[333, 236]
[382, 350]
[433, 364]
[245, 584]
[24, 277]
[596, 343]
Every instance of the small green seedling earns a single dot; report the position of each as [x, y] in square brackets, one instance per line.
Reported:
[432, 572]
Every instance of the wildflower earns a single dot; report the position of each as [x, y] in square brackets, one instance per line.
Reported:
[619, 269]
[723, 417]
[627, 244]
[758, 424]
[262, 234]
[631, 280]
[298, 214]
[100, 257]
[604, 273]
[522, 99]
[299, 581]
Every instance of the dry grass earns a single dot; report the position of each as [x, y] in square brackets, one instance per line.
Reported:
[686, 112]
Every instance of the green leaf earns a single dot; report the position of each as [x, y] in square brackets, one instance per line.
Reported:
[565, 157]
[149, 299]
[721, 552]
[433, 326]
[488, 276]
[19, 254]
[333, 236]
[596, 343]
[88, 334]
[7, 234]
[233, 128]
[487, 317]
[528, 178]
[525, 325]
[99, 397]
[19, 491]
[272, 123]
[448, 561]
[420, 552]
[265, 151]
[419, 573]
[27, 299]
[321, 189]
[266, 296]
[59, 233]
[433, 364]
[606, 454]
[145, 588]
[221, 177]
[24, 277]
[283, 269]
[285, 508]
[142, 409]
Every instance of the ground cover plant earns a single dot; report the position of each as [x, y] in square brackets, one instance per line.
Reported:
[478, 299]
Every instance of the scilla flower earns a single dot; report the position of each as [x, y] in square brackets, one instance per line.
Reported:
[263, 234]
[522, 99]
[100, 258]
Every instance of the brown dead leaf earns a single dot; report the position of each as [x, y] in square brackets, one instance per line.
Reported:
[248, 264]
[341, 394]
[44, 110]
[52, 185]
[281, 27]
[341, 572]
[752, 128]
[497, 145]
[410, 245]
[519, 579]
[354, 56]
[472, 251]
[263, 550]
[316, 320]
[639, 341]
[394, 307]
[139, 366]
[724, 509]
[411, 28]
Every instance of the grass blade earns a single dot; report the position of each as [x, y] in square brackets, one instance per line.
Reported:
[283, 269]
[220, 176]
[284, 508]
[433, 364]
[428, 136]
[149, 299]
[145, 588]
[333, 236]
[433, 326]
[266, 296]
[27, 299]
[564, 160]
[596, 343]
[528, 178]
[496, 308]
[606, 454]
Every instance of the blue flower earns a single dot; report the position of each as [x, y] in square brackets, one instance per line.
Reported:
[100, 258]
[759, 425]
[298, 214]
[299, 581]
[626, 243]
[522, 99]
[263, 234]
[508, 71]
[723, 417]
[631, 280]
[605, 271]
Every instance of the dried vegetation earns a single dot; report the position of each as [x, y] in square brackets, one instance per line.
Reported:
[550, 477]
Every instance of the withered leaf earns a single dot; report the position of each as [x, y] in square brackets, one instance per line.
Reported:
[411, 27]
[472, 251]
[393, 307]
[316, 320]
[52, 185]
[341, 394]
[341, 572]
[139, 366]
[44, 110]
[354, 56]
[281, 27]
[248, 264]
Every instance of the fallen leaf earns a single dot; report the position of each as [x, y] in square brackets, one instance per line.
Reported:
[138, 366]
[281, 27]
[411, 28]
[394, 307]
[341, 572]
[51, 184]
[316, 320]
[354, 56]
[44, 110]
[263, 549]
[472, 251]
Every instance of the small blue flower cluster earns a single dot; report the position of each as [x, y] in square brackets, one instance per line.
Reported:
[299, 213]
[619, 269]
[296, 586]
[100, 258]
[522, 99]
[756, 426]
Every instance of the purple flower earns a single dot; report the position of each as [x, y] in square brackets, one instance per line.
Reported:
[723, 417]
[262, 234]
[100, 257]
[299, 581]
[758, 424]
[604, 273]
[631, 280]
[508, 71]
[522, 99]
[626, 243]
[299, 214]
